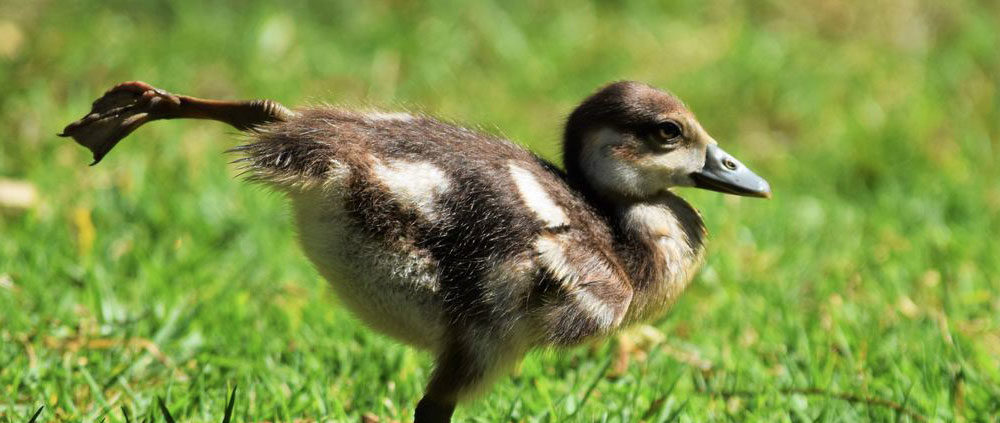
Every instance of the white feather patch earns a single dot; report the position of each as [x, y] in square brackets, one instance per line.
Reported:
[595, 306]
[383, 116]
[535, 197]
[552, 258]
[414, 184]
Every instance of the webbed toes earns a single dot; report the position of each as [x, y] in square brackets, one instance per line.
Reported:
[117, 113]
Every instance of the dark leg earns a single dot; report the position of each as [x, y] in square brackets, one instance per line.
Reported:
[129, 105]
[429, 411]
[457, 371]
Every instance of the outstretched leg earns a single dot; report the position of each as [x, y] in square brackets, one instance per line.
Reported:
[129, 105]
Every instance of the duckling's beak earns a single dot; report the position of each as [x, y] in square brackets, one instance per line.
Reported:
[723, 173]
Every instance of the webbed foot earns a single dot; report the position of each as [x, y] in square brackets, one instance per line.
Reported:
[117, 113]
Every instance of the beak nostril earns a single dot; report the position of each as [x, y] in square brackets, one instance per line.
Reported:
[729, 163]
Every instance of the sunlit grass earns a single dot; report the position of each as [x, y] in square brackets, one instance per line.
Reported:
[873, 272]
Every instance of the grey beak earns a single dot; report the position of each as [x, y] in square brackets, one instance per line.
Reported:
[723, 173]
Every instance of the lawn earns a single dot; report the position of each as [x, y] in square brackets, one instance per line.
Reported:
[868, 288]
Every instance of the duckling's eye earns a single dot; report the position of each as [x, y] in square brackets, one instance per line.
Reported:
[669, 133]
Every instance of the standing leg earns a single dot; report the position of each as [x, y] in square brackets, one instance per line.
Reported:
[431, 411]
[456, 370]
[466, 366]
[129, 105]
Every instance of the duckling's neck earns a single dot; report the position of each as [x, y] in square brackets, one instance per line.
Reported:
[661, 242]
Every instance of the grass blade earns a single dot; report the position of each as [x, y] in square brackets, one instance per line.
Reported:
[163, 408]
[37, 413]
[229, 406]
[593, 385]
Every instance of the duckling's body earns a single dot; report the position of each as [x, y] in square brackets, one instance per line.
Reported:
[414, 218]
[463, 243]
[445, 238]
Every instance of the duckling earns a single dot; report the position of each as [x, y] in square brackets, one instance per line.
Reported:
[463, 243]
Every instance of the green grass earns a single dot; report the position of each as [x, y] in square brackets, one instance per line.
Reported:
[874, 271]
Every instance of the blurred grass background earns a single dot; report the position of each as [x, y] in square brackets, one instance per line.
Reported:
[874, 270]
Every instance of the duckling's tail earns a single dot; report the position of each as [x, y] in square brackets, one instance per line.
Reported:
[129, 105]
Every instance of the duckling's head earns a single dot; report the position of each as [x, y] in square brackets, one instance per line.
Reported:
[630, 141]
